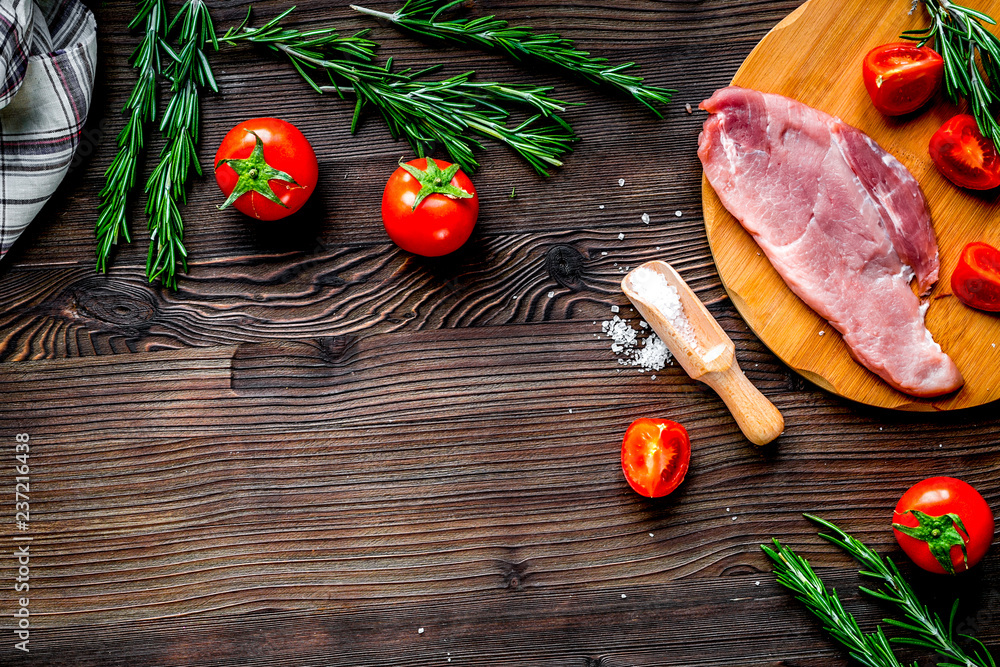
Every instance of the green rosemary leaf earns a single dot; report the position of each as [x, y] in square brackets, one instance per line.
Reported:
[971, 57]
[120, 177]
[423, 18]
[189, 73]
[427, 113]
[794, 572]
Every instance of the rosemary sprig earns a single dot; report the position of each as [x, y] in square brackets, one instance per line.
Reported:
[427, 113]
[931, 632]
[423, 18]
[795, 573]
[120, 176]
[971, 55]
[189, 72]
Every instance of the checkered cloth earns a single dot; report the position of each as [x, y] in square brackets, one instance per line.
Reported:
[48, 51]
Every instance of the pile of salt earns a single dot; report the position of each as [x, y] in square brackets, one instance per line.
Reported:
[654, 289]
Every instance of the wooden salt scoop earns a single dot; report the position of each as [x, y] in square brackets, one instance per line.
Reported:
[712, 359]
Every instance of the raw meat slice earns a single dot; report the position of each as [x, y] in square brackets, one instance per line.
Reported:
[843, 222]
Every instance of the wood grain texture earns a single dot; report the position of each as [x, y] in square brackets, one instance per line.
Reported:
[814, 57]
[319, 445]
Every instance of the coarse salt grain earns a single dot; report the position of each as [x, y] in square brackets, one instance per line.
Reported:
[615, 309]
[654, 289]
[687, 107]
[621, 236]
[551, 294]
[621, 181]
[420, 631]
[601, 207]
[645, 218]
[652, 356]
[678, 213]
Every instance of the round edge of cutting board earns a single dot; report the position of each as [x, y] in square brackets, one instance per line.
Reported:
[781, 320]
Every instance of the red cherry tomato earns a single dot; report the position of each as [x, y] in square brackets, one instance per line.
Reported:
[429, 207]
[964, 155]
[655, 456]
[269, 166]
[932, 538]
[976, 280]
[900, 77]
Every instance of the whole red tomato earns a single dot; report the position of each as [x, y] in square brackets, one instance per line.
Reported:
[976, 280]
[429, 207]
[900, 77]
[964, 155]
[266, 168]
[655, 456]
[943, 525]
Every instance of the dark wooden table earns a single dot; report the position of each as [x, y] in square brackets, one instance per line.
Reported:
[321, 450]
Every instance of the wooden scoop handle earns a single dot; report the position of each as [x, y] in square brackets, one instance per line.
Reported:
[757, 417]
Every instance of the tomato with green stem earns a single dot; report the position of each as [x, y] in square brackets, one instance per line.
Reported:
[655, 456]
[429, 207]
[266, 168]
[943, 524]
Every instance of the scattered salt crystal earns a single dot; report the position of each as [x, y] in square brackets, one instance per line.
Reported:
[623, 596]
[756, 583]
[571, 410]
[650, 534]
[734, 518]
[653, 355]
[601, 207]
[621, 236]
[551, 294]
[822, 333]
[654, 289]
[420, 631]
[603, 253]
[657, 247]
[678, 213]
[621, 181]
[687, 107]
[643, 324]
[615, 309]
[727, 509]
[645, 218]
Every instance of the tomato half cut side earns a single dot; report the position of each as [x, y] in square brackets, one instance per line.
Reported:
[655, 456]
[964, 155]
[976, 280]
[900, 77]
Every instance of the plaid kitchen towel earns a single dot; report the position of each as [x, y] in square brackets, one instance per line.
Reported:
[48, 51]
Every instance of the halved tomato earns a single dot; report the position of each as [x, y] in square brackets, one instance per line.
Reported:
[964, 155]
[976, 280]
[900, 77]
[655, 456]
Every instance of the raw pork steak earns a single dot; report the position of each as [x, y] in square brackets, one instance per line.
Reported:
[841, 220]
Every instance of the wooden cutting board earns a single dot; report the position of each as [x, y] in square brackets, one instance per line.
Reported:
[815, 56]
